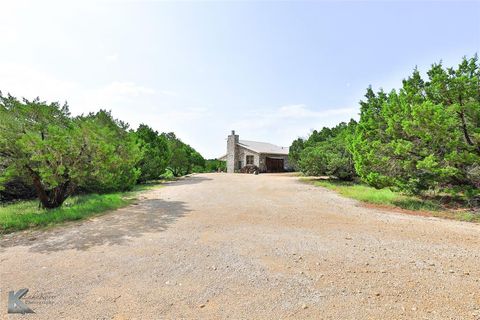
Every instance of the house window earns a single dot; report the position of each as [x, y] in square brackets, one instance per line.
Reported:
[249, 160]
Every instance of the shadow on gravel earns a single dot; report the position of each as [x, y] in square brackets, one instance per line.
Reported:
[118, 228]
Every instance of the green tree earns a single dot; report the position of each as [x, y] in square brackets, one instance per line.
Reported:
[327, 152]
[178, 164]
[184, 158]
[113, 153]
[368, 144]
[156, 154]
[40, 143]
[197, 162]
[426, 135]
[294, 152]
[214, 165]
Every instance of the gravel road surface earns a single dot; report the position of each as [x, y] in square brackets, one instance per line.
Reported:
[218, 246]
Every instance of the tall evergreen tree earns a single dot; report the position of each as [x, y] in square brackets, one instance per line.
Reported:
[426, 135]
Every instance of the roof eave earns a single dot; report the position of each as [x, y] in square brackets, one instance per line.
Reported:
[251, 149]
[261, 152]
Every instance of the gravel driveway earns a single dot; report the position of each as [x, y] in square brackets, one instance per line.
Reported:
[216, 246]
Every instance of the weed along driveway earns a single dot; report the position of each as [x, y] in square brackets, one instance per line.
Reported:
[246, 246]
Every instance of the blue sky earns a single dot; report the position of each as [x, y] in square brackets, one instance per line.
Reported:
[270, 70]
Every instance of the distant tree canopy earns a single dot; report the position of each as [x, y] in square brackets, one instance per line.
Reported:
[325, 152]
[184, 159]
[214, 165]
[424, 136]
[46, 150]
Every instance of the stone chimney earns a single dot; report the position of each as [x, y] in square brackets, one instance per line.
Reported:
[232, 152]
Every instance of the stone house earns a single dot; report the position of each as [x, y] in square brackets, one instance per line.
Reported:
[266, 156]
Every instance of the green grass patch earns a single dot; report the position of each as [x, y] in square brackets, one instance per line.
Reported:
[379, 196]
[387, 197]
[27, 214]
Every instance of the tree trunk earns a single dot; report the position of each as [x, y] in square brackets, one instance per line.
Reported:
[41, 192]
[53, 198]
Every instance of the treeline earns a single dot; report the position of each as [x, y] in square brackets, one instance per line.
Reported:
[424, 137]
[325, 152]
[46, 152]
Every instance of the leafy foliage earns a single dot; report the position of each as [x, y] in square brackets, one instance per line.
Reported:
[294, 152]
[326, 152]
[184, 159]
[41, 143]
[113, 153]
[156, 153]
[214, 165]
[43, 148]
[426, 136]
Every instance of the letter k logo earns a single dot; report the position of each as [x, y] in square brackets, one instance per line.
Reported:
[14, 303]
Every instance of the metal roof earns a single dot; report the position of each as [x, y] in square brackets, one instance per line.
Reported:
[263, 147]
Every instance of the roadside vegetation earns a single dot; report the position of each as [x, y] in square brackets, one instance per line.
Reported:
[28, 214]
[444, 207]
[75, 166]
[365, 193]
[410, 148]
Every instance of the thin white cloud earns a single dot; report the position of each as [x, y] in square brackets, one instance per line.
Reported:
[292, 114]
